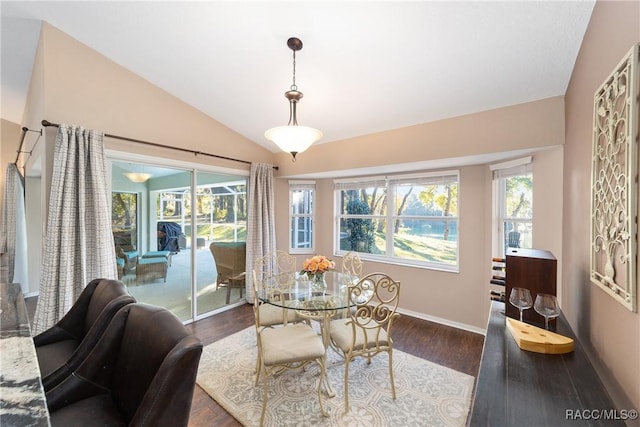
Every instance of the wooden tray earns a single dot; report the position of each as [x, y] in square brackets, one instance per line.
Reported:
[532, 338]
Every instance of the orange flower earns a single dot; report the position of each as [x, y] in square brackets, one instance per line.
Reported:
[317, 265]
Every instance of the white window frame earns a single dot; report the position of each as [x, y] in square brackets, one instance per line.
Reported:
[390, 182]
[298, 186]
[500, 172]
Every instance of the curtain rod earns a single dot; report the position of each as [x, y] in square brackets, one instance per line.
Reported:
[24, 134]
[47, 123]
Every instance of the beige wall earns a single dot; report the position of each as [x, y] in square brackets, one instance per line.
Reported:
[608, 330]
[460, 299]
[547, 205]
[10, 134]
[535, 124]
[85, 88]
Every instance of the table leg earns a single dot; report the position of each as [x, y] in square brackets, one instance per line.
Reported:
[324, 320]
[326, 340]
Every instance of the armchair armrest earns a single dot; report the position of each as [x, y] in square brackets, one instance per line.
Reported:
[73, 389]
[52, 335]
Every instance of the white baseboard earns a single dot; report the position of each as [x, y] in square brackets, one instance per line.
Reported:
[445, 322]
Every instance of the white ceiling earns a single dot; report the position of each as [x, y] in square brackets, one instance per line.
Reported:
[366, 66]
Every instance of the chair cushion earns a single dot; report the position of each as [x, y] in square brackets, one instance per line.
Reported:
[156, 254]
[96, 411]
[291, 343]
[271, 315]
[341, 334]
[131, 254]
[153, 260]
[54, 355]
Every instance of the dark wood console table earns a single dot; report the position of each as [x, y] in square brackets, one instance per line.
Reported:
[521, 388]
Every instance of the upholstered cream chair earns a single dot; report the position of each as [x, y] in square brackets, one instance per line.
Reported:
[286, 347]
[367, 330]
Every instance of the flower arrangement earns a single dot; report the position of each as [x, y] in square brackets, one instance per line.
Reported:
[316, 266]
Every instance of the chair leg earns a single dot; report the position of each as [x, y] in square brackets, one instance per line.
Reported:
[228, 293]
[393, 386]
[264, 398]
[346, 383]
[258, 369]
[321, 378]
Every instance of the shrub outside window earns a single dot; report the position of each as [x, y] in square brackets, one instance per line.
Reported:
[408, 219]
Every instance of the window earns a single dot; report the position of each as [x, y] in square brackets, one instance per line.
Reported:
[221, 211]
[412, 219]
[124, 219]
[513, 194]
[301, 198]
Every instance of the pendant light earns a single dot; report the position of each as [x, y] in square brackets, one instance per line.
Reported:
[137, 177]
[293, 138]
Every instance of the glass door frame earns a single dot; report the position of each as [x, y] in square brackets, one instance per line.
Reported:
[194, 168]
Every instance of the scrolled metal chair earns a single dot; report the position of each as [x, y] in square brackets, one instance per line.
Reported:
[366, 332]
[286, 347]
[352, 264]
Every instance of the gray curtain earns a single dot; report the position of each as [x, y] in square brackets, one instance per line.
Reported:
[261, 231]
[13, 241]
[78, 241]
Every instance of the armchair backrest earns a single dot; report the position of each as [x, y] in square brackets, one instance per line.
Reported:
[98, 303]
[156, 368]
[146, 361]
[105, 292]
[230, 258]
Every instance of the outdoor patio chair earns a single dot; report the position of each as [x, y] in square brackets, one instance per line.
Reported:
[230, 259]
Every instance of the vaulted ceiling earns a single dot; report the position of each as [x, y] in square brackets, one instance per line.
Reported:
[365, 66]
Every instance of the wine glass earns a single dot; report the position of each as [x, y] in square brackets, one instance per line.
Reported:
[521, 298]
[547, 305]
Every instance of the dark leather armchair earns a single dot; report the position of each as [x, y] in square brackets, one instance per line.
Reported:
[142, 372]
[61, 348]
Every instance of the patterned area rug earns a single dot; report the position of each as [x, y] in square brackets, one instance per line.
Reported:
[427, 394]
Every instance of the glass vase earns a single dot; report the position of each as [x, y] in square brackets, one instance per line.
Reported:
[318, 283]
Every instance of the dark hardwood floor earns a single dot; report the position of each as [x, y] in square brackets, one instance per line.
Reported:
[444, 345]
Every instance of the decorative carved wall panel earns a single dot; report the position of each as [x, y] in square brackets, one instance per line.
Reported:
[614, 182]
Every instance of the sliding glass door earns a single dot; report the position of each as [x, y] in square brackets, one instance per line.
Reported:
[164, 221]
[221, 222]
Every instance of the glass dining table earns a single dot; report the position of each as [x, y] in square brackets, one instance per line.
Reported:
[321, 304]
